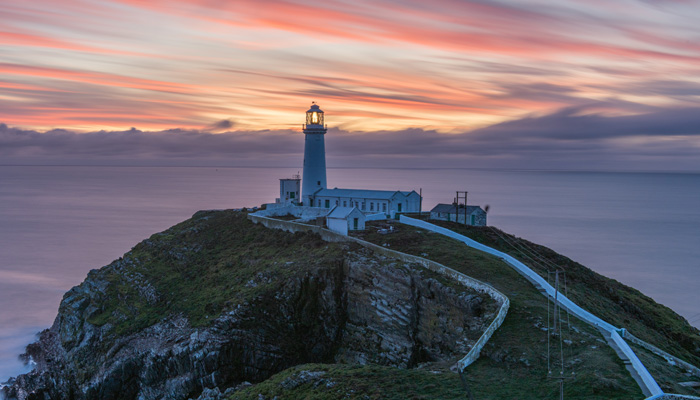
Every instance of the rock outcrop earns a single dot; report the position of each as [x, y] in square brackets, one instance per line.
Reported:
[130, 331]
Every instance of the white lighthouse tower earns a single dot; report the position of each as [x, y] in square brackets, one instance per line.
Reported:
[314, 177]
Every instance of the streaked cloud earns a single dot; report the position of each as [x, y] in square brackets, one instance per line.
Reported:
[375, 66]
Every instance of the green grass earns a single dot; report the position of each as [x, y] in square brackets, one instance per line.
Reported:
[621, 305]
[203, 267]
[514, 362]
[668, 376]
[217, 260]
[359, 382]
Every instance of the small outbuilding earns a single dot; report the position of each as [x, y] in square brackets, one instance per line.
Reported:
[290, 190]
[344, 219]
[475, 215]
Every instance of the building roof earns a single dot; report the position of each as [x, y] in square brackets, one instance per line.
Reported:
[342, 212]
[358, 193]
[452, 209]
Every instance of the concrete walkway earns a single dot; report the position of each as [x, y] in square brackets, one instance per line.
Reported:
[641, 374]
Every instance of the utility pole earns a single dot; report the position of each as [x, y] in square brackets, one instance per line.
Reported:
[556, 300]
[557, 332]
[461, 195]
[420, 203]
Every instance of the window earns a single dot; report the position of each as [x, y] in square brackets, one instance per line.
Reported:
[363, 206]
[336, 202]
[319, 202]
[318, 183]
[291, 195]
[384, 207]
[328, 204]
[371, 206]
[345, 203]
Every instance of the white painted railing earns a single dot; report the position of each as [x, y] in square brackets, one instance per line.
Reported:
[650, 385]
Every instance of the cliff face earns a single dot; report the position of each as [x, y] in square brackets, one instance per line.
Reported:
[217, 301]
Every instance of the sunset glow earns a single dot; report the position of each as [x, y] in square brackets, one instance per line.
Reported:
[451, 67]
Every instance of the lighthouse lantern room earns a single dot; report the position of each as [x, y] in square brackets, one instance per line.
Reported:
[314, 175]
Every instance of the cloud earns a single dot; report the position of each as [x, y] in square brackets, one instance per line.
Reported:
[222, 125]
[448, 65]
[574, 124]
[575, 138]
[29, 279]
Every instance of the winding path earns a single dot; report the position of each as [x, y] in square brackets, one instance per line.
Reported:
[639, 372]
[612, 333]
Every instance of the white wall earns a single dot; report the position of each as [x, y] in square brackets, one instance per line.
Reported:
[314, 174]
[375, 217]
[306, 213]
[338, 225]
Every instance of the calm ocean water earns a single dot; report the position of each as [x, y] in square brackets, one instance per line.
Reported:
[57, 223]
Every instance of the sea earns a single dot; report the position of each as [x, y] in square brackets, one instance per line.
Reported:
[59, 222]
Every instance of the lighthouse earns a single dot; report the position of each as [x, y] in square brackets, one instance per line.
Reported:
[314, 176]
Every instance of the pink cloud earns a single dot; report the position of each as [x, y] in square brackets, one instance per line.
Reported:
[23, 39]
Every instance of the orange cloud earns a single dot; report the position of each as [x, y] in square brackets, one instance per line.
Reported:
[96, 78]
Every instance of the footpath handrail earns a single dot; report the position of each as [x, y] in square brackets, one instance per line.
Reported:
[465, 280]
[669, 358]
[650, 385]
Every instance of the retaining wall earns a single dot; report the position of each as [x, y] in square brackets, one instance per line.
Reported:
[672, 359]
[647, 382]
[465, 280]
[301, 212]
[375, 217]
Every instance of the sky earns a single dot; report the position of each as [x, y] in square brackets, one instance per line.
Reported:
[571, 84]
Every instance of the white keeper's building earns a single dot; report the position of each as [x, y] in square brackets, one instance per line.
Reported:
[368, 201]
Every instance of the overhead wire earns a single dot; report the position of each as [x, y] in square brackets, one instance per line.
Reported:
[543, 264]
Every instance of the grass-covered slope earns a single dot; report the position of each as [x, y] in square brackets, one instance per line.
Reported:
[218, 300]
[621, 305]
[223, 274]
[514, 364]
[357, 382]
[204, 266]
[607, 298]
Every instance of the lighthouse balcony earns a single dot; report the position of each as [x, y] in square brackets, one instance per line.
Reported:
[315, 128]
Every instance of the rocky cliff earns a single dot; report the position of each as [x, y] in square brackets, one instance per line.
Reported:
[216, 301]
